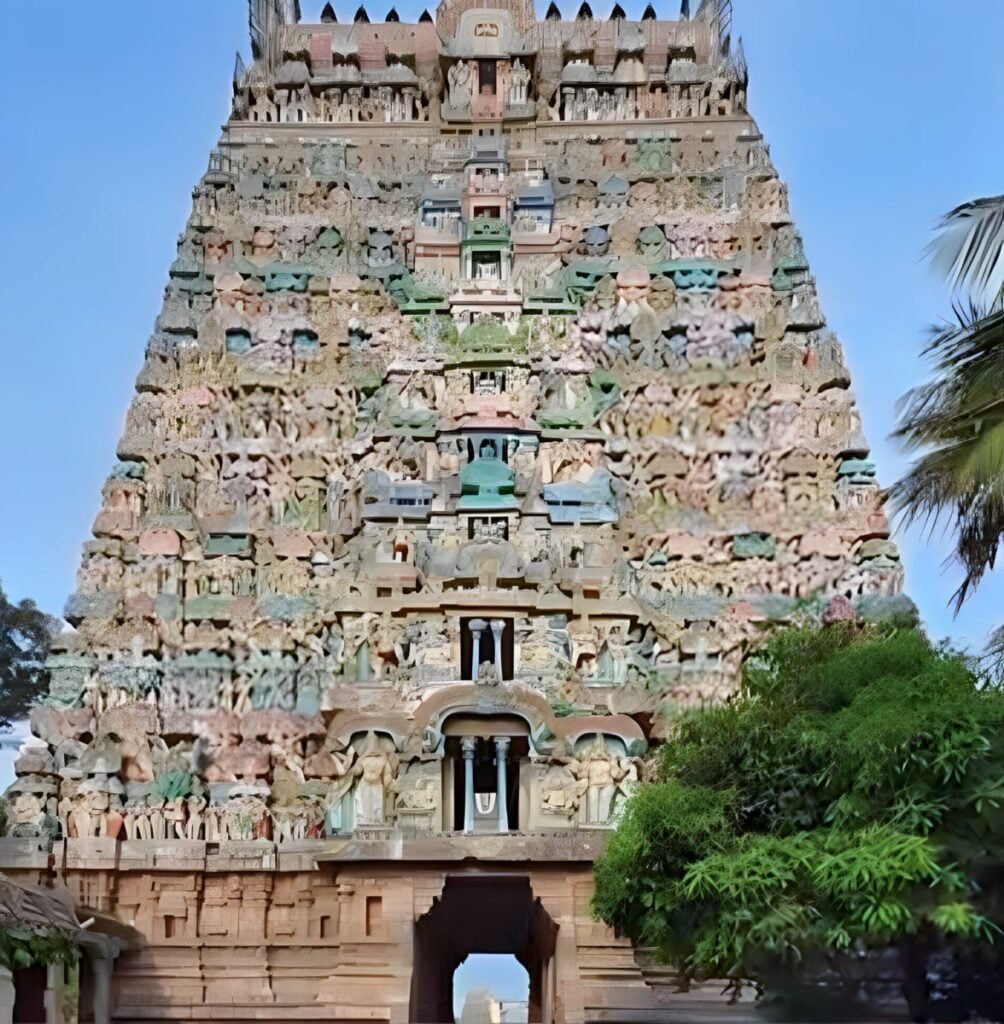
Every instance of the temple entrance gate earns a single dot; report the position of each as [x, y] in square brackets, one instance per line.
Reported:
[482, 913]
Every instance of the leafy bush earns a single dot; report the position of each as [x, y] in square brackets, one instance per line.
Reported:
[23, 947]
[847, 800]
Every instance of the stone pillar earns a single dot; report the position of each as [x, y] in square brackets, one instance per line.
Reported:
[102, 968]
[53, 993]
[498, 628]
[501, 751]
[477, 627]
[467, 744]
[6, 996]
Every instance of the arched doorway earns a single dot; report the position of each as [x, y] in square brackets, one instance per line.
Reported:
[482, 913]
[484, 755]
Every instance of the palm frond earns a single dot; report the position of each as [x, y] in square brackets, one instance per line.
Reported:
[969, 248]
[957, 419]
[993, 656]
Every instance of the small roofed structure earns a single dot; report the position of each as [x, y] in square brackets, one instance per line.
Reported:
[48, 938]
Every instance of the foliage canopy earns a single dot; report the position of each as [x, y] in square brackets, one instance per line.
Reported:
[848, 798]
[24, 643]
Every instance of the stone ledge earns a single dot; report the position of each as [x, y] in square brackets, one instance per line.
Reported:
[250, 1012]
[186, 855]
[561, 847]
[23, 854]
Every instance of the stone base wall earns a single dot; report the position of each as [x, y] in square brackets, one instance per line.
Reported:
[242, 933]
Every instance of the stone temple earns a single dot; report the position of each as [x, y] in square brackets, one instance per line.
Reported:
[490, 418]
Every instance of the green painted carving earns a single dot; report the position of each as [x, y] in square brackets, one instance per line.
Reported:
[68, 675]
[789, 267]
[487, 484]
[367, 382]
[565, 709]
[637, 748]
[238, 341]
[857, 470]
[409, 421]
[486, 232]
[286, 607]
[167, 607]
[208, 606]
[754, 545]
[896, 608]
[185, 267]
[603, 392]
[651, 154]
[305, 343]
[227, 544]
[550, 302]
[438, 331]
[326, 158]
[102, 605]
[173, 785]
[692, 275]
[330, 242]
[487, 336]
[581, 279]
[129, 470]
[288, 277]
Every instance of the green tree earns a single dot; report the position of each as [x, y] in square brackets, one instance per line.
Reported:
[845, 804]
[25, 632]
[955, 420]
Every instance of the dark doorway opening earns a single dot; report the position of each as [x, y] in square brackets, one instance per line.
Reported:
[482, 913]
[29, 995]
[481, 629]
[487, 78]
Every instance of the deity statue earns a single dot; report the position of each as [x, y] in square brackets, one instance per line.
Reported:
[459, 79]
[376, 772]
[519, 84]
[601, 772]
[28, 816]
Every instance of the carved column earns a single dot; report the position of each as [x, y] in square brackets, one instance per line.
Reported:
[467, 744]
[501, 753]
[498, 628]
[477, 627]
[53, 993]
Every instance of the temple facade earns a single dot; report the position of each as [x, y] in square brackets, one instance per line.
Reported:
[490, 418]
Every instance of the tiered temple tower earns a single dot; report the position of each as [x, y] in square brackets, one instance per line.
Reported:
[490, 418]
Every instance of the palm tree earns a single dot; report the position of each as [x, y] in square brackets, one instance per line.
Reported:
[956, 419]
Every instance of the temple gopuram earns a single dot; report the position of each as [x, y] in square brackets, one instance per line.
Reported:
[490, 420]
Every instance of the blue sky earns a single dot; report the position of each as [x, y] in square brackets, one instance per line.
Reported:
[504, 976]
[880, 115]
